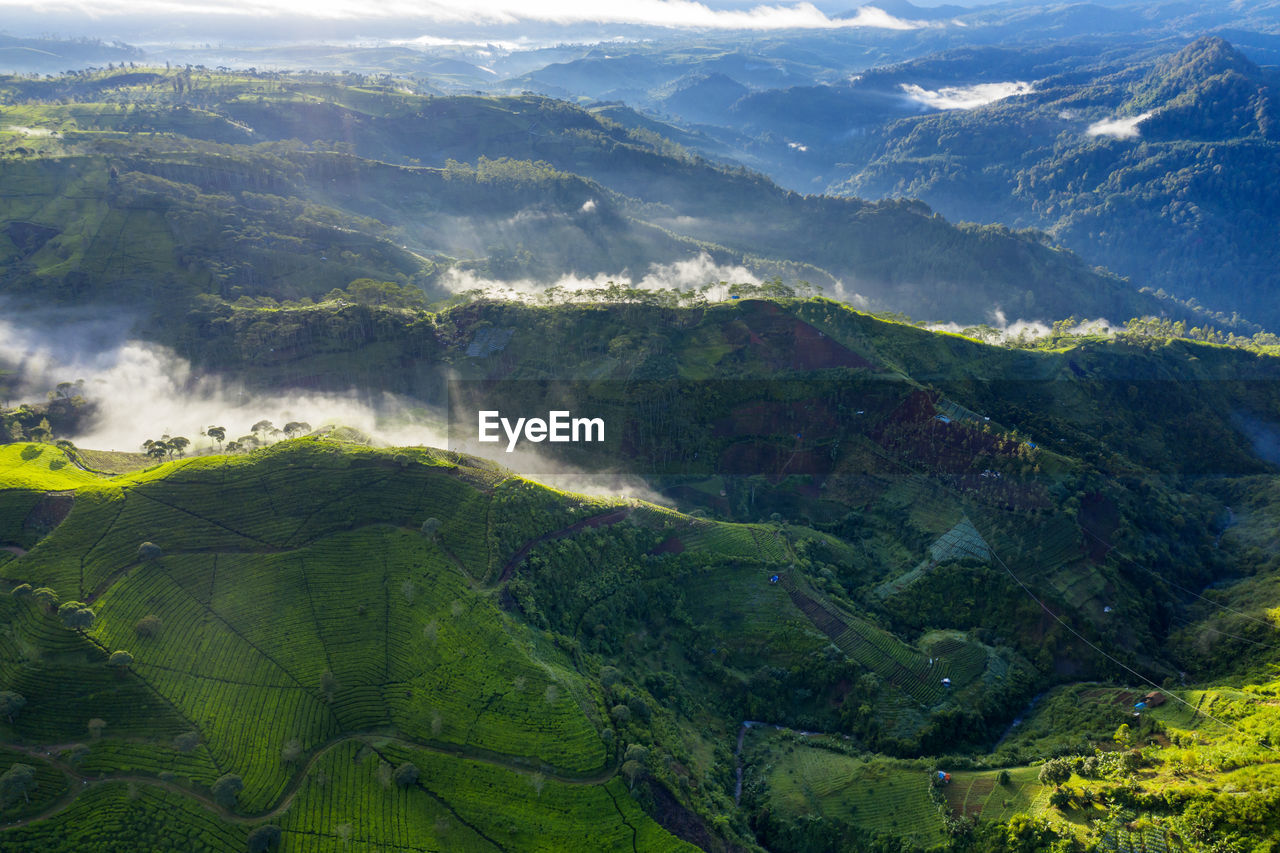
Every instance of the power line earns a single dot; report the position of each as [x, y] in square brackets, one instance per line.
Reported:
[1026, 589]
[1176, 585]
[1087, 642]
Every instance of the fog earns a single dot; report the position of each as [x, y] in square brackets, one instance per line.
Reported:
[690, 274]
[966, 97]
[143, 390]
[1118, 128]
[1000, 330]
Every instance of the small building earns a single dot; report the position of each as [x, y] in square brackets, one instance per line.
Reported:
[1154, 699]
[773, 578]
[946, 682]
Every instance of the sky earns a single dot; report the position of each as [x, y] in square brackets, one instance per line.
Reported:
[219, 17]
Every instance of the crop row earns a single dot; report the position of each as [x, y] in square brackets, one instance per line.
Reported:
[124, 816]
[526, 811]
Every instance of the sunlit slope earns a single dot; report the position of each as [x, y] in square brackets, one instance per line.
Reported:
[291, 609]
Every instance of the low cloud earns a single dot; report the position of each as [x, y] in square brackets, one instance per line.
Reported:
[965, 97]
[142, 390]
[1118, 128]
[1000, 330]
[689, 274]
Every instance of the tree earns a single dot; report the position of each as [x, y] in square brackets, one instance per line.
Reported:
[10, 704]
[120, 659]
[46, 596]
[263, 838]
[18, 780]
[76, 615]
[431, 527]
[1060, 799]
[218, 434]
[296, 428]
[147, 626]
[291, 751]
[178, 444]
[95, 727]
[1054, 772]
[22, 590]
[406, 774]
[149, 551]
[226, 789]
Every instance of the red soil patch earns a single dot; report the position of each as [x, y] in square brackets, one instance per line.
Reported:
[786, 343]
[671, 545]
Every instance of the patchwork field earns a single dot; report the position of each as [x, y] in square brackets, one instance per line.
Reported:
[260, 625]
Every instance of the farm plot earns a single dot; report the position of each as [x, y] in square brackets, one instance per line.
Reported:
[874, 648]
[66, 683]
[217, 678]
[878, 795]
[129, 816]
[1149, 839]
[961, 659]
[350, 801]
[528, 811]
[40, 467]
[979, 793]
[963, 541]
[726, 539]
[49, 784]
[15, 506]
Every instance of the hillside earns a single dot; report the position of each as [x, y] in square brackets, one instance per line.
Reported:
[1156, 168]
[288, 186]
[886, 552]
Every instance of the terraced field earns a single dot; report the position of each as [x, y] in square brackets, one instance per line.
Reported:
[287, 613]
[979, 794]
[874, 648]
[875, 795]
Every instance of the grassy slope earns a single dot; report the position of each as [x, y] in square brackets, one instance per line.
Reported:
[292, 612]
[302, 218]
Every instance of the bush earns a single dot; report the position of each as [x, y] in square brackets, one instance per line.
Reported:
[263, 838]
[226, 789]
[147, 626]
[407, 774]
[149, 551]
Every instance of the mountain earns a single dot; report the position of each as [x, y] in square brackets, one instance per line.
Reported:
[287, 187]
[885, 542]
[1155, 171]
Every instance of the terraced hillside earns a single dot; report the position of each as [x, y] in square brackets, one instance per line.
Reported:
[259, 626]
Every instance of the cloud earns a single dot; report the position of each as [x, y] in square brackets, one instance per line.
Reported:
[966, 97]
[661, 13]
[143, 390]
[1000, 330]
[689, 274]
[1118, 128]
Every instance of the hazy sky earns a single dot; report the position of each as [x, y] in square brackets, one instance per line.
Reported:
[70, 17]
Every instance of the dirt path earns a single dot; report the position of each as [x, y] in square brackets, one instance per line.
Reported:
[79, 783]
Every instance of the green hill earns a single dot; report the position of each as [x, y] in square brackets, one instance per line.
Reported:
[150, 185]
[224, 643]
